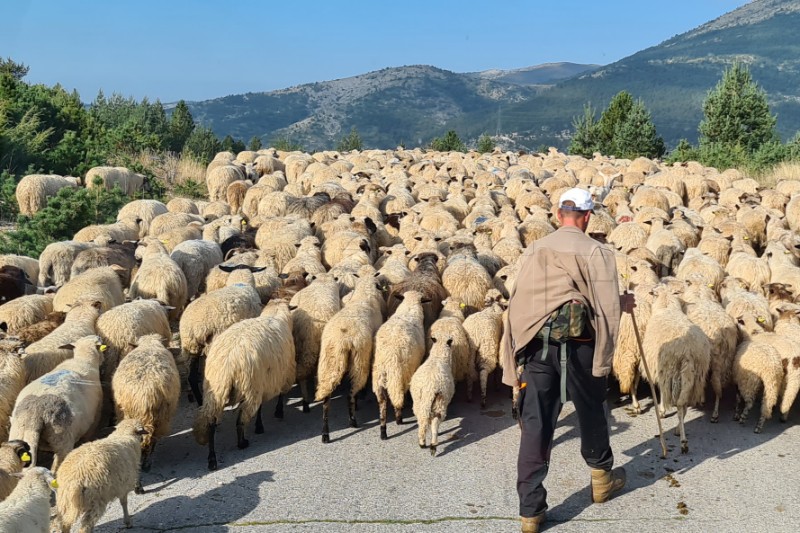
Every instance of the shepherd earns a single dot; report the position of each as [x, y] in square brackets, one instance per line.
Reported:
[558, 341]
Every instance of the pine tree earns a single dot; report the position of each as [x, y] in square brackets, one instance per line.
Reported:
[451, 142]
[636, 135]
[181, 126]
[615, 114]
[737, 113]
[254, 144]
[351, 141]
[584, 141]
[485, 144]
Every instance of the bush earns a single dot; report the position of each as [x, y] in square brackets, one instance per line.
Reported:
[485, 144]
[351, 141]
[9, 209]
[451, 142]
[66, 213]
[190, 188]
[285, 144]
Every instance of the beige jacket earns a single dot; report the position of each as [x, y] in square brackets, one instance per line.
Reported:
[565, 265]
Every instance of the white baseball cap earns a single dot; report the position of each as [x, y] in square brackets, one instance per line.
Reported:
[580, 197]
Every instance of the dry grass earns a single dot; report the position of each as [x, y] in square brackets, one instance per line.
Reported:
[171, 169]
[789, 170]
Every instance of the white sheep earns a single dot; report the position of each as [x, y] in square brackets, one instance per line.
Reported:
[248, 364]
[678, 356]
[196, 258]
[55, 261]
[450, 325]
[432, 389]
[465, 279]
[399, 347]
[346, 347]
[213, 313]
[756, 368]
[27, 509]
[159, 277]
[146, 387]
[46, 354]
[95, 474]
[101, 284]
[108, 177]
[484, 330]
[145, 210]
[312, 307]
[12, 381]
[127, 229]
[34, 190]
[63, 406]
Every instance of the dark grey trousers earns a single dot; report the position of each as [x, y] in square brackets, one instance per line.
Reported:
[539, 406]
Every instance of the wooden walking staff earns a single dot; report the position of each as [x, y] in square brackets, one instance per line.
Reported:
[652, 387]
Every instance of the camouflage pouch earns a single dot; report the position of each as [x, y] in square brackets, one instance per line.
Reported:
[567, 322]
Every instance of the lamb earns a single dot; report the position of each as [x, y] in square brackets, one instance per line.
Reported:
[63, 406]
[346, 347]
[182, 205]
[450, 325]
[34, 190]
[146, 387]
[756, 368]
[55, 261]
[432, 389]
[24, 311]
[13, 283]
[43, 356]
[218, 179]
[159, 277]
[14, 456]
[27, 509]
[145, 210]
[424, 279]
[465, 279]
[213, 313]
[235, 194]
[12, 381]
[719, 327]
[102, 284]
[484, 330]
[172, 221]
[248, 364]
[754, 270]
[399, 347]
[308, 258]
[694, 264]
[196, 258]
[678, 355]
[312, 308]
[96, 473]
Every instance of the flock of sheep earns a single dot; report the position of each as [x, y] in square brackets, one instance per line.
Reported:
[389, 268]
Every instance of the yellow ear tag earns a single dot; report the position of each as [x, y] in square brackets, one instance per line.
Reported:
[624, 276]
[103, 347]
[761, 320]
[786, 251]
[710, 286]
[54, 484]
[746, 238]
[462, 305]
[163, 242]
[25, 457]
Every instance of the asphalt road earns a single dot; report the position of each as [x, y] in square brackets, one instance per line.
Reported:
[287, 480]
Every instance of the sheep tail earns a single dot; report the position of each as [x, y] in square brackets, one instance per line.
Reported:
[395, 387]
[68, 505]
[333, 361]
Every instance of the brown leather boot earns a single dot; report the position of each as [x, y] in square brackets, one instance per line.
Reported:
[606, 484]
[531, 524]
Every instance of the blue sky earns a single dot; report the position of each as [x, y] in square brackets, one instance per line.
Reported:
[200, 49]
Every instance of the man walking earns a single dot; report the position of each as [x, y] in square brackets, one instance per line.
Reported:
[558, 341]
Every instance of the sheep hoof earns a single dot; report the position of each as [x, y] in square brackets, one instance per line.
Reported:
[422, 445]
[212, 464]
[735, 418]
[259, 430]
[326, 438]
[353, 423]
[306, 408]
[714, 419]
[384, 435]
[191, 397]
[784, 418]
[242, 444]
[433, 450]
[514, 413]
[684, 446]
[138, 489]
[757, 430]
[399, 421]
[483, 403]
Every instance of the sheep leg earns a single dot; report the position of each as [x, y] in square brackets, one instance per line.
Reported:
[326, 405]
[305, 394]
[716, 385]
[514, 400]
[789, 396]
[737, 413]
[212, 453]
[637, 409]
[422, 428]
[259, 422]
[469, 389]
[748, 404]
[682, 429]
[435, 434]
[241, 441]
[279, 407]
[383, 402]
[484, 379]
[147, 452]
[91, 516]
[126, 517]
[194, 380]
[398, 415]
[352, 408]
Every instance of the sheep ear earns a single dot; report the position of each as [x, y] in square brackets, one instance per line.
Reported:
[449, 342]
[97, 304]
[364, 245]
[399, 296]
[66, 347]
[4, 327]
[227, 268]
[433, 339]
[371, 227]
[283, 275]
[425, 301]
[292, 307]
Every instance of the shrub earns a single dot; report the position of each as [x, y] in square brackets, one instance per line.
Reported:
[351, 141]
[451, 142]
[485, 144]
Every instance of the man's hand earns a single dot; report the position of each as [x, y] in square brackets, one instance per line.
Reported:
[627, 302]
